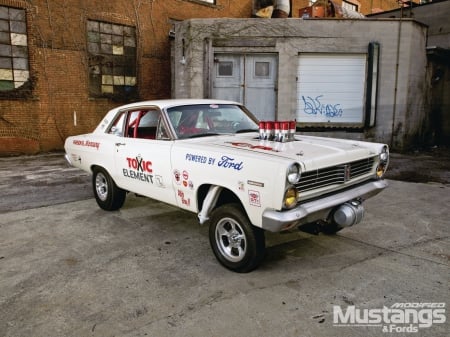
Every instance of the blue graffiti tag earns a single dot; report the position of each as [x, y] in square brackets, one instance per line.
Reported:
[313, 106]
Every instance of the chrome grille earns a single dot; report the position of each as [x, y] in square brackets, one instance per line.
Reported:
[338, 174]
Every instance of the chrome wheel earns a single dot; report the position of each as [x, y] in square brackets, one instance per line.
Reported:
[236, 243]
[101, 186]
[231, 240]
[108, 196]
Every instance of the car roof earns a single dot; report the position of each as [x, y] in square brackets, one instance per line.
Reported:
[167, 103]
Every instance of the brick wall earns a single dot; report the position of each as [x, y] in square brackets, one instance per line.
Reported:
[59, 104]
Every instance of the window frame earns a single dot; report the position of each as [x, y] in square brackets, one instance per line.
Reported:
[112, 60]
[18, 73]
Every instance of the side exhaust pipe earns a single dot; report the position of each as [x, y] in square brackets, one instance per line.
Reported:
[345, 215]
[348, 214]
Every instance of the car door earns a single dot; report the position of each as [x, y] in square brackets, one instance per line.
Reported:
[142, 155]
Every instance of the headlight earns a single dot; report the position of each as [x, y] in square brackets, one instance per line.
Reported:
[384, 161]
[290, 197]
[293, 173]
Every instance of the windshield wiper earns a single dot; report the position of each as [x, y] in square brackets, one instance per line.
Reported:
[247, 130]
[204, 135]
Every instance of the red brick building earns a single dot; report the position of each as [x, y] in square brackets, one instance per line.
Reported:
[63, 64]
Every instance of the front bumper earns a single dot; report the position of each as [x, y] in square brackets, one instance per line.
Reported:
[318, 209]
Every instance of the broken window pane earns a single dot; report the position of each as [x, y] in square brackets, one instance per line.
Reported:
[14, 70]
[112, 55]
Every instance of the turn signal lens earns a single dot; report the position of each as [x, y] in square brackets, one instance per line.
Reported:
[290, 198]
[381, 169]
[384, 161]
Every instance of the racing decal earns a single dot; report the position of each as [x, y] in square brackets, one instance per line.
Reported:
[139, 169]
[185, 178]
[159, 181]
[184, 201]
[250, 146]
[87, 143]
[182, 178]
[224, 161]
[200, 159]
[177, 176]
[228, 162]
[254, 198]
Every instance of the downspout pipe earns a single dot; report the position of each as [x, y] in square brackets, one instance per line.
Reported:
[397, 65]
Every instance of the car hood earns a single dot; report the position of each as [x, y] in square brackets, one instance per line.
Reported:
[312, 152]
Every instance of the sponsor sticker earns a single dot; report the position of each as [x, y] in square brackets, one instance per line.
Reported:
[139, 169]
[254, 198]
[86, 143]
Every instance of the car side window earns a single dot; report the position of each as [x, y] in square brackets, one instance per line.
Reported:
[143, 124]
[162, 132]
[117, 127]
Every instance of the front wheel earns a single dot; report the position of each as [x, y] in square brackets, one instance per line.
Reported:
[108, 196]
[236, 243]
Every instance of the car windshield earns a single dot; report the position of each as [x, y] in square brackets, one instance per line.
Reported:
[200, 120]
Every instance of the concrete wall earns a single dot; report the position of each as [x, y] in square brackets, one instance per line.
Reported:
[436, 16]
[433, 14]
[402, 72]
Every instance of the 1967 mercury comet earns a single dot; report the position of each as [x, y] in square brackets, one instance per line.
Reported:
[242, 176]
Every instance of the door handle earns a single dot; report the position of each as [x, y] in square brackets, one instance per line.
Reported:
[118, 144]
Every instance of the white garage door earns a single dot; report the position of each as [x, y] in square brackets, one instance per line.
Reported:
[330, 89]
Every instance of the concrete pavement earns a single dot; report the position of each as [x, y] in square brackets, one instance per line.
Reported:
[68, 268]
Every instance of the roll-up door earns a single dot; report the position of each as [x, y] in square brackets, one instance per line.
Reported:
[331, 89]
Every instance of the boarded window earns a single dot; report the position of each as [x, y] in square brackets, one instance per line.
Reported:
[330, 89]
[112, 60]
[14, 66]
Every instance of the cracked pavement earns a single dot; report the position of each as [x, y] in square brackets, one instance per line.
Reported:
[67, 268]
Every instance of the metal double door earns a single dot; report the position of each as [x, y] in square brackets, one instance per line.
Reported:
[250, 79]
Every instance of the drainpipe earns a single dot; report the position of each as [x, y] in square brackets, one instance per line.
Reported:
[281, 9]
[394, 112]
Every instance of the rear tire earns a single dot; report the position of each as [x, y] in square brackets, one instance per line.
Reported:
[236, 243]
[108, 196]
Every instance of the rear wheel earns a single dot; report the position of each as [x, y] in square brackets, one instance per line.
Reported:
[108, 196]
[236, 243]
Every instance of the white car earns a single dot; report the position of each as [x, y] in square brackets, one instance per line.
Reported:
[242, 176]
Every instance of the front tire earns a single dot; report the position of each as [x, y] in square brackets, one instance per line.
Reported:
[108, 196]
[236, 243]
